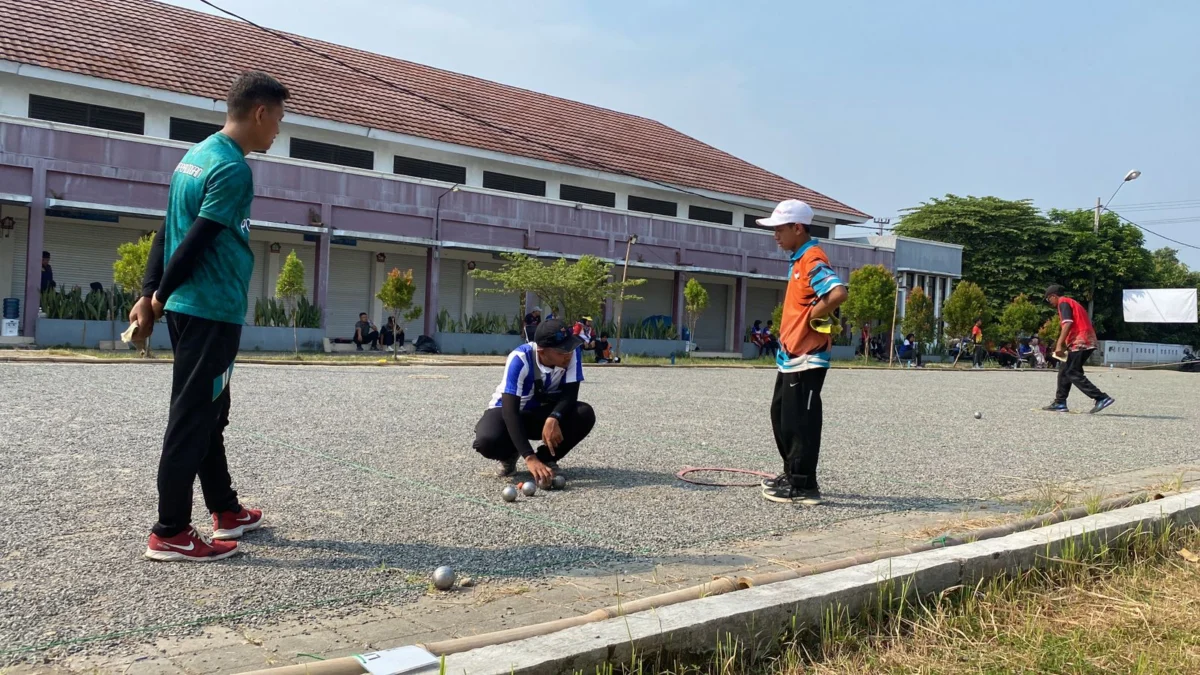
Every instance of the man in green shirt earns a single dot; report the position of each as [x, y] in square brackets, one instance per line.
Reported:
[198, 273]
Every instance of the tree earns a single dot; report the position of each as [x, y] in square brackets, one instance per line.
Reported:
[290, 288]
[777, 317]
[570, 289]
[963, 308]
[397, 296]
[1007, 244]
[1115, 259]
[872, 297]
[695, 301]
[1020, 318]
[918, 317]
[130, 266]
[1049, 331]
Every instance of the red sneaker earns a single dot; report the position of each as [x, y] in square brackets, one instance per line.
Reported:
[189, 546]
[231, 525]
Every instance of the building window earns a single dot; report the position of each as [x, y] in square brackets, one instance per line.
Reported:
[86, 114]
[710, 215]
[332, 154]
[751, 220]
[503, 181]
[818, 231]
[191, 130]
[421, 168]
[657, 206]
[570, 193]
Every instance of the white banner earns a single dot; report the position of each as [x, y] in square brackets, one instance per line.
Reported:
[1160, 305]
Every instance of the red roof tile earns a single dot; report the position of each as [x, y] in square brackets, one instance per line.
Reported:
[133, 41]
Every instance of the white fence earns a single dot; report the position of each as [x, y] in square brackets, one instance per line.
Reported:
[1139, 353]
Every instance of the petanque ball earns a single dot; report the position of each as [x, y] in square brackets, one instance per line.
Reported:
[443, 578]
[978, 415]
[544, 484]
[559, 482]
[528, 488]
[509, 493]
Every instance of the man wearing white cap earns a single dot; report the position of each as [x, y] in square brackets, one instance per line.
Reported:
[806, 331]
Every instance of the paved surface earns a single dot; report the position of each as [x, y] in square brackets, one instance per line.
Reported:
[369, 483]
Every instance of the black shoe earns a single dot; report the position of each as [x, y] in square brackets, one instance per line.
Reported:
[1102, 404]
[811, 497]
[1056, 407]
[507, 468]
[777, 481]
[783, 494]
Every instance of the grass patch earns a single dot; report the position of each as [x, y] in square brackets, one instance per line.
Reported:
[1128, 607]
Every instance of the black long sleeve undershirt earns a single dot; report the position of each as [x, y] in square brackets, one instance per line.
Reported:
[163, 282]
[510, 411]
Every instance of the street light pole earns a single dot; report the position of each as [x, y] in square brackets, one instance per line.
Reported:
[621, 302]
[1132, 175]
[437, 215]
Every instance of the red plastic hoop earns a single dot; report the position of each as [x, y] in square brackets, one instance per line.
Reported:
[682, 475]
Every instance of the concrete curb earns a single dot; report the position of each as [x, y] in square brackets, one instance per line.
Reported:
[757, 614]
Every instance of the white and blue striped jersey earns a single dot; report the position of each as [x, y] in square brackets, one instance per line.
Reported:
[522, 369]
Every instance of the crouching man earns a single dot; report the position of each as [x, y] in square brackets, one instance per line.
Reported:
[538, 398]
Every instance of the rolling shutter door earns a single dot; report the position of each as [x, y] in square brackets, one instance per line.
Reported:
[82, 253]
[507, 305]
[710, 329]
[656, 300]
[349, 290]
[760, 303]
[20, 251]
[412, 329]
[450, 288]
[257, 277]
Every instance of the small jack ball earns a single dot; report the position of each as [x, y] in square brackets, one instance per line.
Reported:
[509, 493]
[559, 482]
[528, 488]
[978, 415]
[443, 578]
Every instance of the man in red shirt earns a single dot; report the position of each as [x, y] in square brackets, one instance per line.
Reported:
[1076, 342]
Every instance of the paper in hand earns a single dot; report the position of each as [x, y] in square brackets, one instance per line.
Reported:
[142, 344]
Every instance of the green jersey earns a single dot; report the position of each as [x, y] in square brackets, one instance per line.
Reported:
[213, 182]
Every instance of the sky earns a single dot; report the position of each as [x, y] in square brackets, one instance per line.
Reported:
[881, 105]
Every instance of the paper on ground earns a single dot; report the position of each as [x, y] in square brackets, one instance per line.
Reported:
[398, 660]
[1160, 305]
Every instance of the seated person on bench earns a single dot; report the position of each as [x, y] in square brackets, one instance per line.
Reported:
[392, 335]
[365, 333]
[538, 398]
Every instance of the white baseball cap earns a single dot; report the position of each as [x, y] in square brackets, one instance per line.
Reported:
[788, 212]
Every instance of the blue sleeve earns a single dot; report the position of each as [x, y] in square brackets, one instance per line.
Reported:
[515, 375]
[228, 189]
[823, 279]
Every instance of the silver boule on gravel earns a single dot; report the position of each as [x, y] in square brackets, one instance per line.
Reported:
[544, 483]
[978, 415]
[443, 578]
[528, 488]
[509, 493]
[559, 482]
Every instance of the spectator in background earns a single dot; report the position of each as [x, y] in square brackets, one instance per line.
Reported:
[392, 336]
[1007, 357]
[603, 352]
[1039, 352]
[977, 341]
[756, 333]
[47, 272]
[769, 344]
[365, 333]
[532, 319]
[583, 328]
[909, 351]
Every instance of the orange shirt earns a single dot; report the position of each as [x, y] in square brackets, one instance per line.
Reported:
[810, 279]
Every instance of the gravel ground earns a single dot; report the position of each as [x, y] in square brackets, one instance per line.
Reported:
[369, 482]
